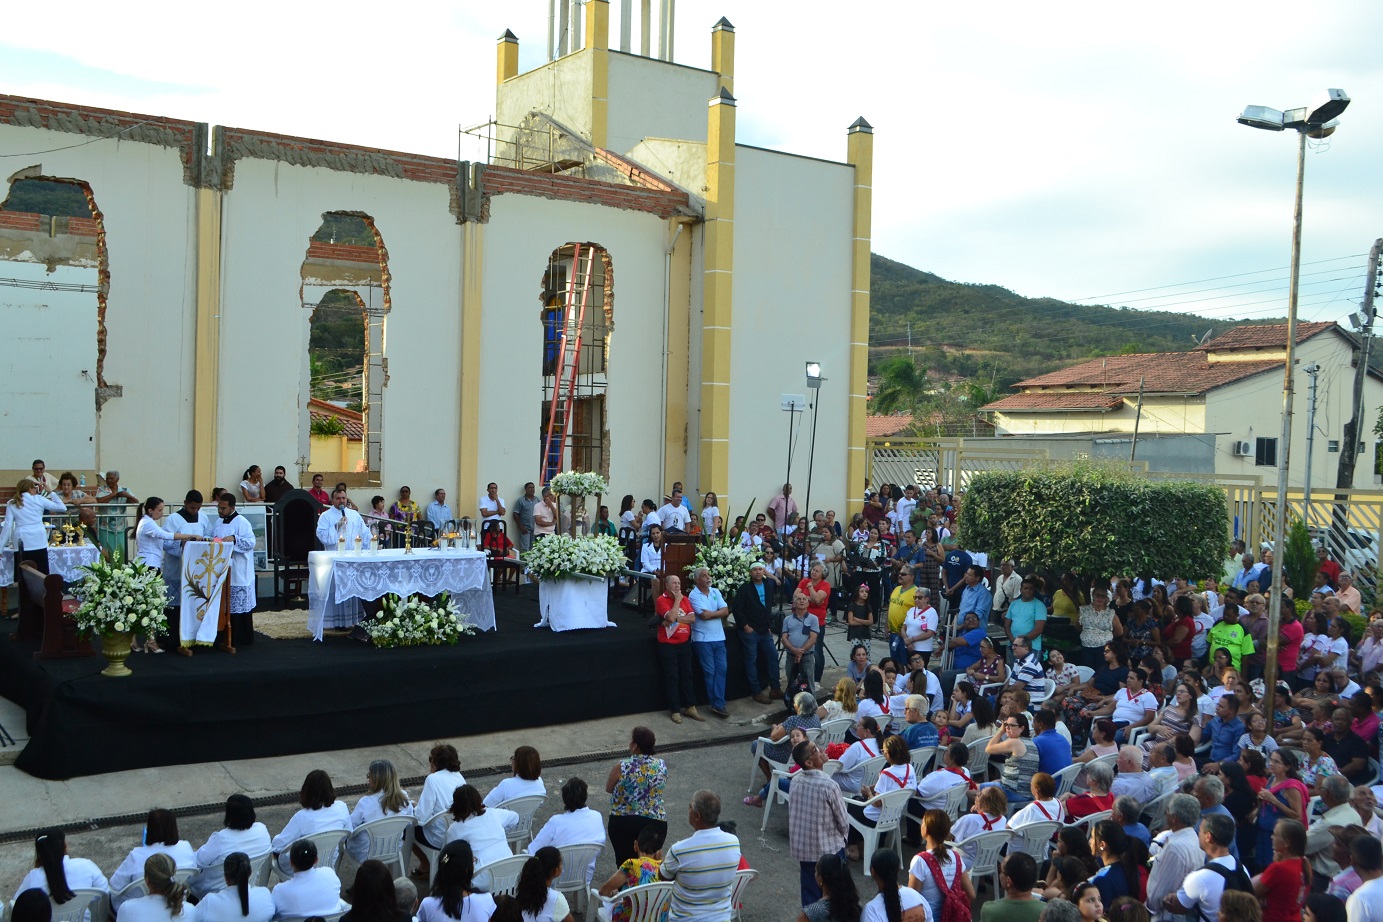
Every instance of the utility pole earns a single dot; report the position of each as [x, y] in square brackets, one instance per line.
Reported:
[1137, 418]
[909, 340]
[1349, 451]
[1312, 370]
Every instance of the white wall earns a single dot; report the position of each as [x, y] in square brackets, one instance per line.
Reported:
[520, 236]
[561, 88]
[150, 314]
[269, 216]
[48, 370]
[791, 305]
[655, 99]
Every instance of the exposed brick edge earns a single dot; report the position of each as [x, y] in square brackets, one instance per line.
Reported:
[33, 222]
[498, 180]
[343, 252]
[352, 158]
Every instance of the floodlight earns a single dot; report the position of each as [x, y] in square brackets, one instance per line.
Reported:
[1261, 117]
[814, 378]
[1326, 106]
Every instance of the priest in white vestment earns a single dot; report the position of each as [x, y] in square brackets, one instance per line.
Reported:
[236, 528]
[340, 521]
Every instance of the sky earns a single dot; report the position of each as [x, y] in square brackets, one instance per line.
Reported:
[1077, 150]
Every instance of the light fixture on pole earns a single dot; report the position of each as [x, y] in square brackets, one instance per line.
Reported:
[1317, 121]
[814, 380]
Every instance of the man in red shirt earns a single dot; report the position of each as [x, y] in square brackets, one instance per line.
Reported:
[317, 493]
[1330, 568]
[676, 616]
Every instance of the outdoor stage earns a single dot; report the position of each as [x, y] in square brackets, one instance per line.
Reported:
[281, 697]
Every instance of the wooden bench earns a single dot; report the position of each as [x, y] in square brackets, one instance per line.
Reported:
[57, 628]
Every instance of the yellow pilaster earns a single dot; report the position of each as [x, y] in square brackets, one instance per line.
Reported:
[859, 154]
[678, 333]
[717, 277]
[723, 54]
[472, 288]
[507, 54]
[598, 44]
[208, 354]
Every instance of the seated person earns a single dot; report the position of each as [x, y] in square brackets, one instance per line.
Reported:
[160, 838]
[1044, 808]
[496, 544]
[1096, 800]
[920, 732]
[239, 833]
[311, 891]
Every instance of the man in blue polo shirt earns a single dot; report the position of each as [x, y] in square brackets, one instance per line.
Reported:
[1224, 729]
[1053, 751]
[966, 644]
[976, 597]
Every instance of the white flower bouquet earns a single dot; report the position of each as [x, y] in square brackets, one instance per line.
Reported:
[121, 598]
[566, 557]
[573, 483]
[729, 565]
[415, 622]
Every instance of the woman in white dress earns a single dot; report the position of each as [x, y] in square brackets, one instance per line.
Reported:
[160, 838]
[149, 535]
[438, 787]
[383, 797]
[894, 903]
[453, 897]
[238, 901]
[58, 875]
[526, 780]
[710, 511]
[252, 487]
[485, 829]
[534, 894]
[24, 525]
[321, 812]
[166, 899]
[240, 833]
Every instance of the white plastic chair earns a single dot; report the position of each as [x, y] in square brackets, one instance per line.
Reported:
[831, 767]
[957, 801]
[1085, 673]
[1156, 811]
[1089, 821]
[576, 873]
[759, 746]
[84, 899]
[869, 769]
[388, 839]
[525, 807]
[500, 876]
[1037, 699]
[1034, 839]
[979, 759]
[834, 730]
[647, 902]
[1111, 760]
[1375, 772]
[428, 850]
[329, 847]
[922, 757]
[743, 878]
[1066, 778]
[987, 846]
[260, 866]
[890, 804]
[775, 793]
[135, 888]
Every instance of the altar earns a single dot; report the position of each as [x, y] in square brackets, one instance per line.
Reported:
[339, 580]
[68, 560]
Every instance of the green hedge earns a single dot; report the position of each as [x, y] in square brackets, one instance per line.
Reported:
[1097, 519]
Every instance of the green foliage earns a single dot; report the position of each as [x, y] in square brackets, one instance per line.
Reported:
[44, 196]
[903, 388]
[345, 228]
[1357, 625]
[336, 347]
[1096, 519]
[1300, 564]
[327, 425]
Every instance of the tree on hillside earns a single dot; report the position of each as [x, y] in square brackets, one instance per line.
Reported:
[1099, 520]
[903, 388]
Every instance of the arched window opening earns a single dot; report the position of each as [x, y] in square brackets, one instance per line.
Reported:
[54, 283]
[577, 294]
[345, 286]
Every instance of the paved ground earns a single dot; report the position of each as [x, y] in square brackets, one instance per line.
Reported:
[715, 757]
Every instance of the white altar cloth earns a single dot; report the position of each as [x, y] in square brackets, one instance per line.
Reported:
[67, 561]
[338, 581]
[573, 604]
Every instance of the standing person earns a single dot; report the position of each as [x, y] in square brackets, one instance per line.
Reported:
[1285, 883]
[782, 511]
[817, 589]
[710, 511]
[111, 525]
[708, 637]
[252, 485]
[702, 866]
[636, 785]
[1366, 902]
[491, 507]
[524, 508]
[902, 599]
[674, 636]
[801, 630]
[753, 609]
[438, 512]
[920, 627]
[318, 491]
[859, 621]
[275, 489]
[1018, 876]
[1099, 626]
[191, 520]
[1026, 616]
[1257, 626]
[955, 565]
[893, 903]
[24, 519]
[1179, 853]
[339, 526]
[1007, 586]
[817, 824]
[235, 528]
[1203, 888]
[1283, 797]
[975, 595]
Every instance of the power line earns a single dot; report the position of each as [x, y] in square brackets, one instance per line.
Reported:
[1231, 294]
[1218, 278]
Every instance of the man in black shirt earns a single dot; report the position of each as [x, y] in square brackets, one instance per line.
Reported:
[1342, 744]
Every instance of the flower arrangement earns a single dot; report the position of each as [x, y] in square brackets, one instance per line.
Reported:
[566, 557]
[729, 565]
[573, 483]
[118, 598]
[416, 622]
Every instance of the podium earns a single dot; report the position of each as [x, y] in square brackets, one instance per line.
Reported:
[679, 557]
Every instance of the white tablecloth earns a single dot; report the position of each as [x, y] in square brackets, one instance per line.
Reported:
[338, 581]
[67, 562]
[573, 604]
[6, 567]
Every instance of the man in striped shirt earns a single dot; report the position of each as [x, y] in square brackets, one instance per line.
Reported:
[702, 866]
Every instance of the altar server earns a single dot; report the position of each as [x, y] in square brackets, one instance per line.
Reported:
[341, 521]
[236, 528]
[190, 520]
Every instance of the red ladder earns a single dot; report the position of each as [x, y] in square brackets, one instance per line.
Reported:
[568, 365]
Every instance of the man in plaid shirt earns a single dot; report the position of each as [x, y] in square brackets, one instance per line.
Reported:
[816, 816]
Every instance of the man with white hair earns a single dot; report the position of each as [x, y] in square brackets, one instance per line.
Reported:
[1335, 795]
[1099, 776]
[1347, 595]
[1178, 853]
[1209, 790]
[708, 637]
[1132, 780]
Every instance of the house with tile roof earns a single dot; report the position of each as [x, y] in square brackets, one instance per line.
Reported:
[1223, 397]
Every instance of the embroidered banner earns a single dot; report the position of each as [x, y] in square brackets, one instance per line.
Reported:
[205, 569]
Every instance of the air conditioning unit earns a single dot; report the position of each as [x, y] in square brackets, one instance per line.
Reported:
[1243, 449]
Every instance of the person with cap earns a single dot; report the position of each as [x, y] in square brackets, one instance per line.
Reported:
[752, 610]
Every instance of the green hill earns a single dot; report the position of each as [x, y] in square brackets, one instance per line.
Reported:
[996, 338]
